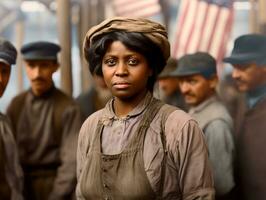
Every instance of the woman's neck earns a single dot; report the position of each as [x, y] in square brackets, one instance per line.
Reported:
[124, 106]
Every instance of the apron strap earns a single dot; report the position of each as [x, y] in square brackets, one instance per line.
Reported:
[96, 141]
[148, 116]
[166, 112]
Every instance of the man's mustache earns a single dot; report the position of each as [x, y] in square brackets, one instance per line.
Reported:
[239, 81]
[189, 94]
[38, 79]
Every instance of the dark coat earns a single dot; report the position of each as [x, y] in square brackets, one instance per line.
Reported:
[46, 130]
[251, 161]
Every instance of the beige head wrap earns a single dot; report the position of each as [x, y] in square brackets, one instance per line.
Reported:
[153, 30]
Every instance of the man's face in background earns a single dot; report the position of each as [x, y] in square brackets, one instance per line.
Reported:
[169, 85]
[196, 88]
[4, 77]
[249, 76]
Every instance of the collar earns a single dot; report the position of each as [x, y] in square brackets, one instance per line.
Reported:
[203, 104]
[111, 116]
[45, 95]
[256, 96]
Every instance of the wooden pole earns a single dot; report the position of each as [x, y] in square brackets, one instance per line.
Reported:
[166, 12]
[92, 12]
[253, 17]
[64, 30]
[84, 27]
[19, 29]
[262, 16]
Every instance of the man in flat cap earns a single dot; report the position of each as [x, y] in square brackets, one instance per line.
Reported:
[198, 80]
[169, 85]
[46, 123]
[248, 58]
[11, 177]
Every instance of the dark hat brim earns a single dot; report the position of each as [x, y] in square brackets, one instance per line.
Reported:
[40, 50]
[185, 73]
[8, 58]
[40, 58]
[245, 58]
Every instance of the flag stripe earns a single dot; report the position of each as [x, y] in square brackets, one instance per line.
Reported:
[218, 18]
[203, 26]
[181, 19]
[136, 8]
[208, 28]
[133, 6]
[216, 40]
[192, 25]
[195, 38]
[122, 3]
[147, 12]
[186, 27]
[226, 36]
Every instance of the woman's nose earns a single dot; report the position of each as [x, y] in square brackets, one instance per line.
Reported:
[121, 69]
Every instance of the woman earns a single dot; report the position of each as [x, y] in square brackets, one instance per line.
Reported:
[137, 147]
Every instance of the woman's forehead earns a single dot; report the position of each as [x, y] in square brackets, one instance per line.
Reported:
[119, 47]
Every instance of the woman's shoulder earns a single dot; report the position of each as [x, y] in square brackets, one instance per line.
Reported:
[174, 116]
[93, 119]
[178, 124]
[88, 128]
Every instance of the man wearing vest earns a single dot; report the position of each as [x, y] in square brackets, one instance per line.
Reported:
[248, 59]
[46, 123]
[11, 177]
[198, 80]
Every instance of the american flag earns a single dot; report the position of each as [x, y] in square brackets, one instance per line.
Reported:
[136, 8]
[203, 25]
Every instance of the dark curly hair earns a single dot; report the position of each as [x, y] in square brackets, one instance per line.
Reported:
[133, 41]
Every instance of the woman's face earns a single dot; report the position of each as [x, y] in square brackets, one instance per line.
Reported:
[125, 72]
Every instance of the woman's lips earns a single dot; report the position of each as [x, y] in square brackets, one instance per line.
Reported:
[122, 85]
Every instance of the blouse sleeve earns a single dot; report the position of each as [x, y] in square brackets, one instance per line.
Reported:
[81, 155]
[191, 158]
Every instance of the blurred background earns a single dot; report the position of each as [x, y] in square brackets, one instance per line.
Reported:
[66, 22]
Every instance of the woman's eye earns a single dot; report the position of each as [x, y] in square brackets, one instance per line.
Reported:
[110, 62]
[133, 62]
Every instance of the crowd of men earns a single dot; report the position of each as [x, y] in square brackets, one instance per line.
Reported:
[38, 134]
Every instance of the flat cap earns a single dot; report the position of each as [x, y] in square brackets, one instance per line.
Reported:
[8, 53]
[40, 50]
[198, 63]
[250, 48]
[168, 70]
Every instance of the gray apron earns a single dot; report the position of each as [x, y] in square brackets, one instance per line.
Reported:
[120, 176]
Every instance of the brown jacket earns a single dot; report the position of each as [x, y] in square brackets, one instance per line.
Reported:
[12, 168]
[46, 130]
